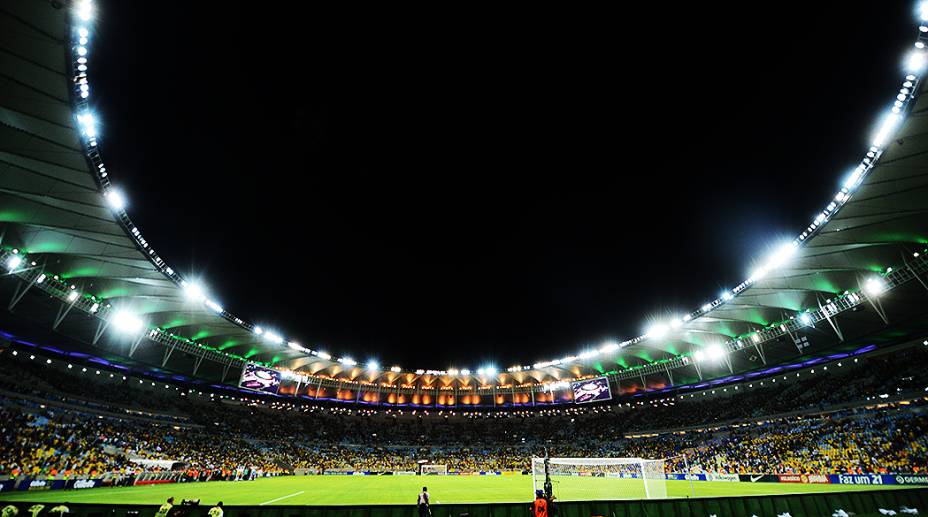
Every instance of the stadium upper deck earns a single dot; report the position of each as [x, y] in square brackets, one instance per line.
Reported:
[74, 262]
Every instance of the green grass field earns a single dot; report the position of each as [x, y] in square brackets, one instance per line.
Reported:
[348, 490]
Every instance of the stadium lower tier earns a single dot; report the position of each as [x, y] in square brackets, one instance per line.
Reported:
[61, 422]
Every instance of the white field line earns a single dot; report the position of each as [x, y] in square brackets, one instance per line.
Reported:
[282, 498]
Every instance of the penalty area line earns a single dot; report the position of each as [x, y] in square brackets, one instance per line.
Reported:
[282, 498]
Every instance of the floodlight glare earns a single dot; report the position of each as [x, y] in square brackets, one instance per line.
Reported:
[657, 331]
[465, 371]
[373, 366]
[195, 291]
[126, 322]
[874, 286]
[395, 369]
[915, 62]
[116, 199]
[888, 125]
[699, 355]
[805, 318]
[13, 262]
[715, 352]
[72, 296]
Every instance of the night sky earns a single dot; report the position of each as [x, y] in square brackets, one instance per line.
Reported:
[457, 187]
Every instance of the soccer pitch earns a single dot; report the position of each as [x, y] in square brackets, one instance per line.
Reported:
[361, 490]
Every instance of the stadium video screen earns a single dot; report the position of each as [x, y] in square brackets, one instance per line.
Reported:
[258, 378]
[591, 390]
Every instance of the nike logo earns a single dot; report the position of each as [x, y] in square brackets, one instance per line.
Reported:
[754, 479]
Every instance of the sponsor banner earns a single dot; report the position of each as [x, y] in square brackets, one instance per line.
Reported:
[909, 479]
[687, 477]
[728, 478]
[8, 485]
[790, 478]
[78, 484]
[858, 479]
[758, 478]
[804, 478]
[404, 473]
[496, 473]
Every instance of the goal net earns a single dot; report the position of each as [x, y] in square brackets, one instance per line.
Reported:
[434, 470]
[574, 479]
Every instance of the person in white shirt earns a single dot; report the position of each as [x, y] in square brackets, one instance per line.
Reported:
[423, 503]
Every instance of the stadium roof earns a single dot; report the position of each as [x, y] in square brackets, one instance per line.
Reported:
[79, 265]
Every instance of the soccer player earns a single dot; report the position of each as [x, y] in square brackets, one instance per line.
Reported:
[165, 508]
[216, 511]
[540, 506]
[423, 503]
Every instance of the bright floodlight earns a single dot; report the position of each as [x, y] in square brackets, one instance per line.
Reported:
[13, 262]
[72, 296]
[715, 352]
[699, 355]
[395, 369]
[215, 307]
[259, 330]
[676, 323]
[609, 346]
[727, 296]
[116, 199]
[465, 371]
[886, 128]
[373, 366]
[657, 331]
[915, 62]
[85, 10]
[126, 322]
[875, 286]
[195, 291]
[780, 256]
[805, 318]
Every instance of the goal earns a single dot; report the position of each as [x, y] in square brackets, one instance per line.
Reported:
[434, 470]
[574, 479]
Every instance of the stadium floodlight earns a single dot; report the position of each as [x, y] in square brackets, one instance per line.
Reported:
[273, 337]
[373, 366]
[259, 330]
[215, 307]
[396, 369]
[465, 371]
[324, 355]
[116, 199]
[491, 370]
[875, 286]
[41, 278]
[715, 352]
[347, 361]
[481, 371]
[699, 355]
[676, 323]
[126, 322]
[195, 291]
[84, 10]
[13, 262]
[72, 296]
[452, 372]
[726, 295]
[888, 125]
[707, 307]
[657, 331]
[915, 62]
[95, 307]
[805, 318]
[609, 346]
[781, 255]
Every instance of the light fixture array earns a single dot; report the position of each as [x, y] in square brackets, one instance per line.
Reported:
[83, 12]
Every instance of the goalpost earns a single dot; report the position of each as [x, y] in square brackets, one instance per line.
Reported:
[434, 470]
[601, 478]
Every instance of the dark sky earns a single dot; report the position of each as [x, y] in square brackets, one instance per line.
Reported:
[438, 187]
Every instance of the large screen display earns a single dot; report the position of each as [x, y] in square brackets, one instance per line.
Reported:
[258, 378]
[591, 390]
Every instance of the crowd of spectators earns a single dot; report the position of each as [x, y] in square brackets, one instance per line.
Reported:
[56, 422]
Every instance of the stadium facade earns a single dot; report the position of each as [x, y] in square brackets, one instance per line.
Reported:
[80, 275]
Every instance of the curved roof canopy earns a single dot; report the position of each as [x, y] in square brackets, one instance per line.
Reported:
[78, 264]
